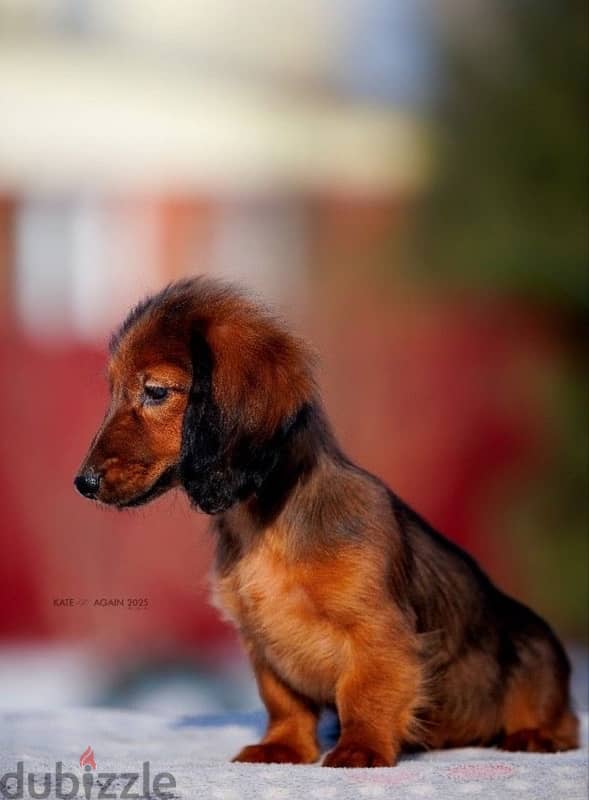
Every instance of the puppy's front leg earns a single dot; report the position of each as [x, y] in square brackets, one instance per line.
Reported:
[374, 701]
[291, 735]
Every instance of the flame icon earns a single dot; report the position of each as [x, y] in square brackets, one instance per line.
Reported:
[87, 758]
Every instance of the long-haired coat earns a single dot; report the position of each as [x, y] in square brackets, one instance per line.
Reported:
[342, 595]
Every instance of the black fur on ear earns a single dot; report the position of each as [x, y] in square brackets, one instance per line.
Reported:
[219, 464]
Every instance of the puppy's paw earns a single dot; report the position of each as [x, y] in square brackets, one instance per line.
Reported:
[356, 755]
[272, 753]
[528, 740]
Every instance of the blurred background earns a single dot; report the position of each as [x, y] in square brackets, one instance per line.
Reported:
[406, 181]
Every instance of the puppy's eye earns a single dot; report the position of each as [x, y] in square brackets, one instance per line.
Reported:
[153, 395]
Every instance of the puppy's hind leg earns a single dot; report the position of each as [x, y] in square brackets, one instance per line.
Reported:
[537, 717]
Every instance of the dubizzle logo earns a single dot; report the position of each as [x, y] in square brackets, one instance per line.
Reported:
[63, 785]
[87, 760]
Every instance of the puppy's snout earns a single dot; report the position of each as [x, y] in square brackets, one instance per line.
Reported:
[88, 483]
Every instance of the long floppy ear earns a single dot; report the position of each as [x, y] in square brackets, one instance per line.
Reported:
[250, 380]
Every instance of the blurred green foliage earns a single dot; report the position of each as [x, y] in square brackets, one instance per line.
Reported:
[509, 208]
[508, 217]
[547, 520]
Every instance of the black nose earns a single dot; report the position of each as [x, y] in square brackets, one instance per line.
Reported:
[88, 483]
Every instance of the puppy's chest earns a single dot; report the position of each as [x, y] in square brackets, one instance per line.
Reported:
[282, 614]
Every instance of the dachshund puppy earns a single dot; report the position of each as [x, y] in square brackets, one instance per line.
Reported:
[342, 594]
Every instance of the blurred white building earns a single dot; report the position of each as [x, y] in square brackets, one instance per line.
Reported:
[115, 111]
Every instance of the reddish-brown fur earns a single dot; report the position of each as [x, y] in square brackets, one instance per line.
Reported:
[342, 595]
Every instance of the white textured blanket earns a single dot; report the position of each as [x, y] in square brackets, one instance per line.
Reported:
[196, 752]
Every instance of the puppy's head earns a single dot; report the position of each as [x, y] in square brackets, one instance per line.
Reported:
[205, 387]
